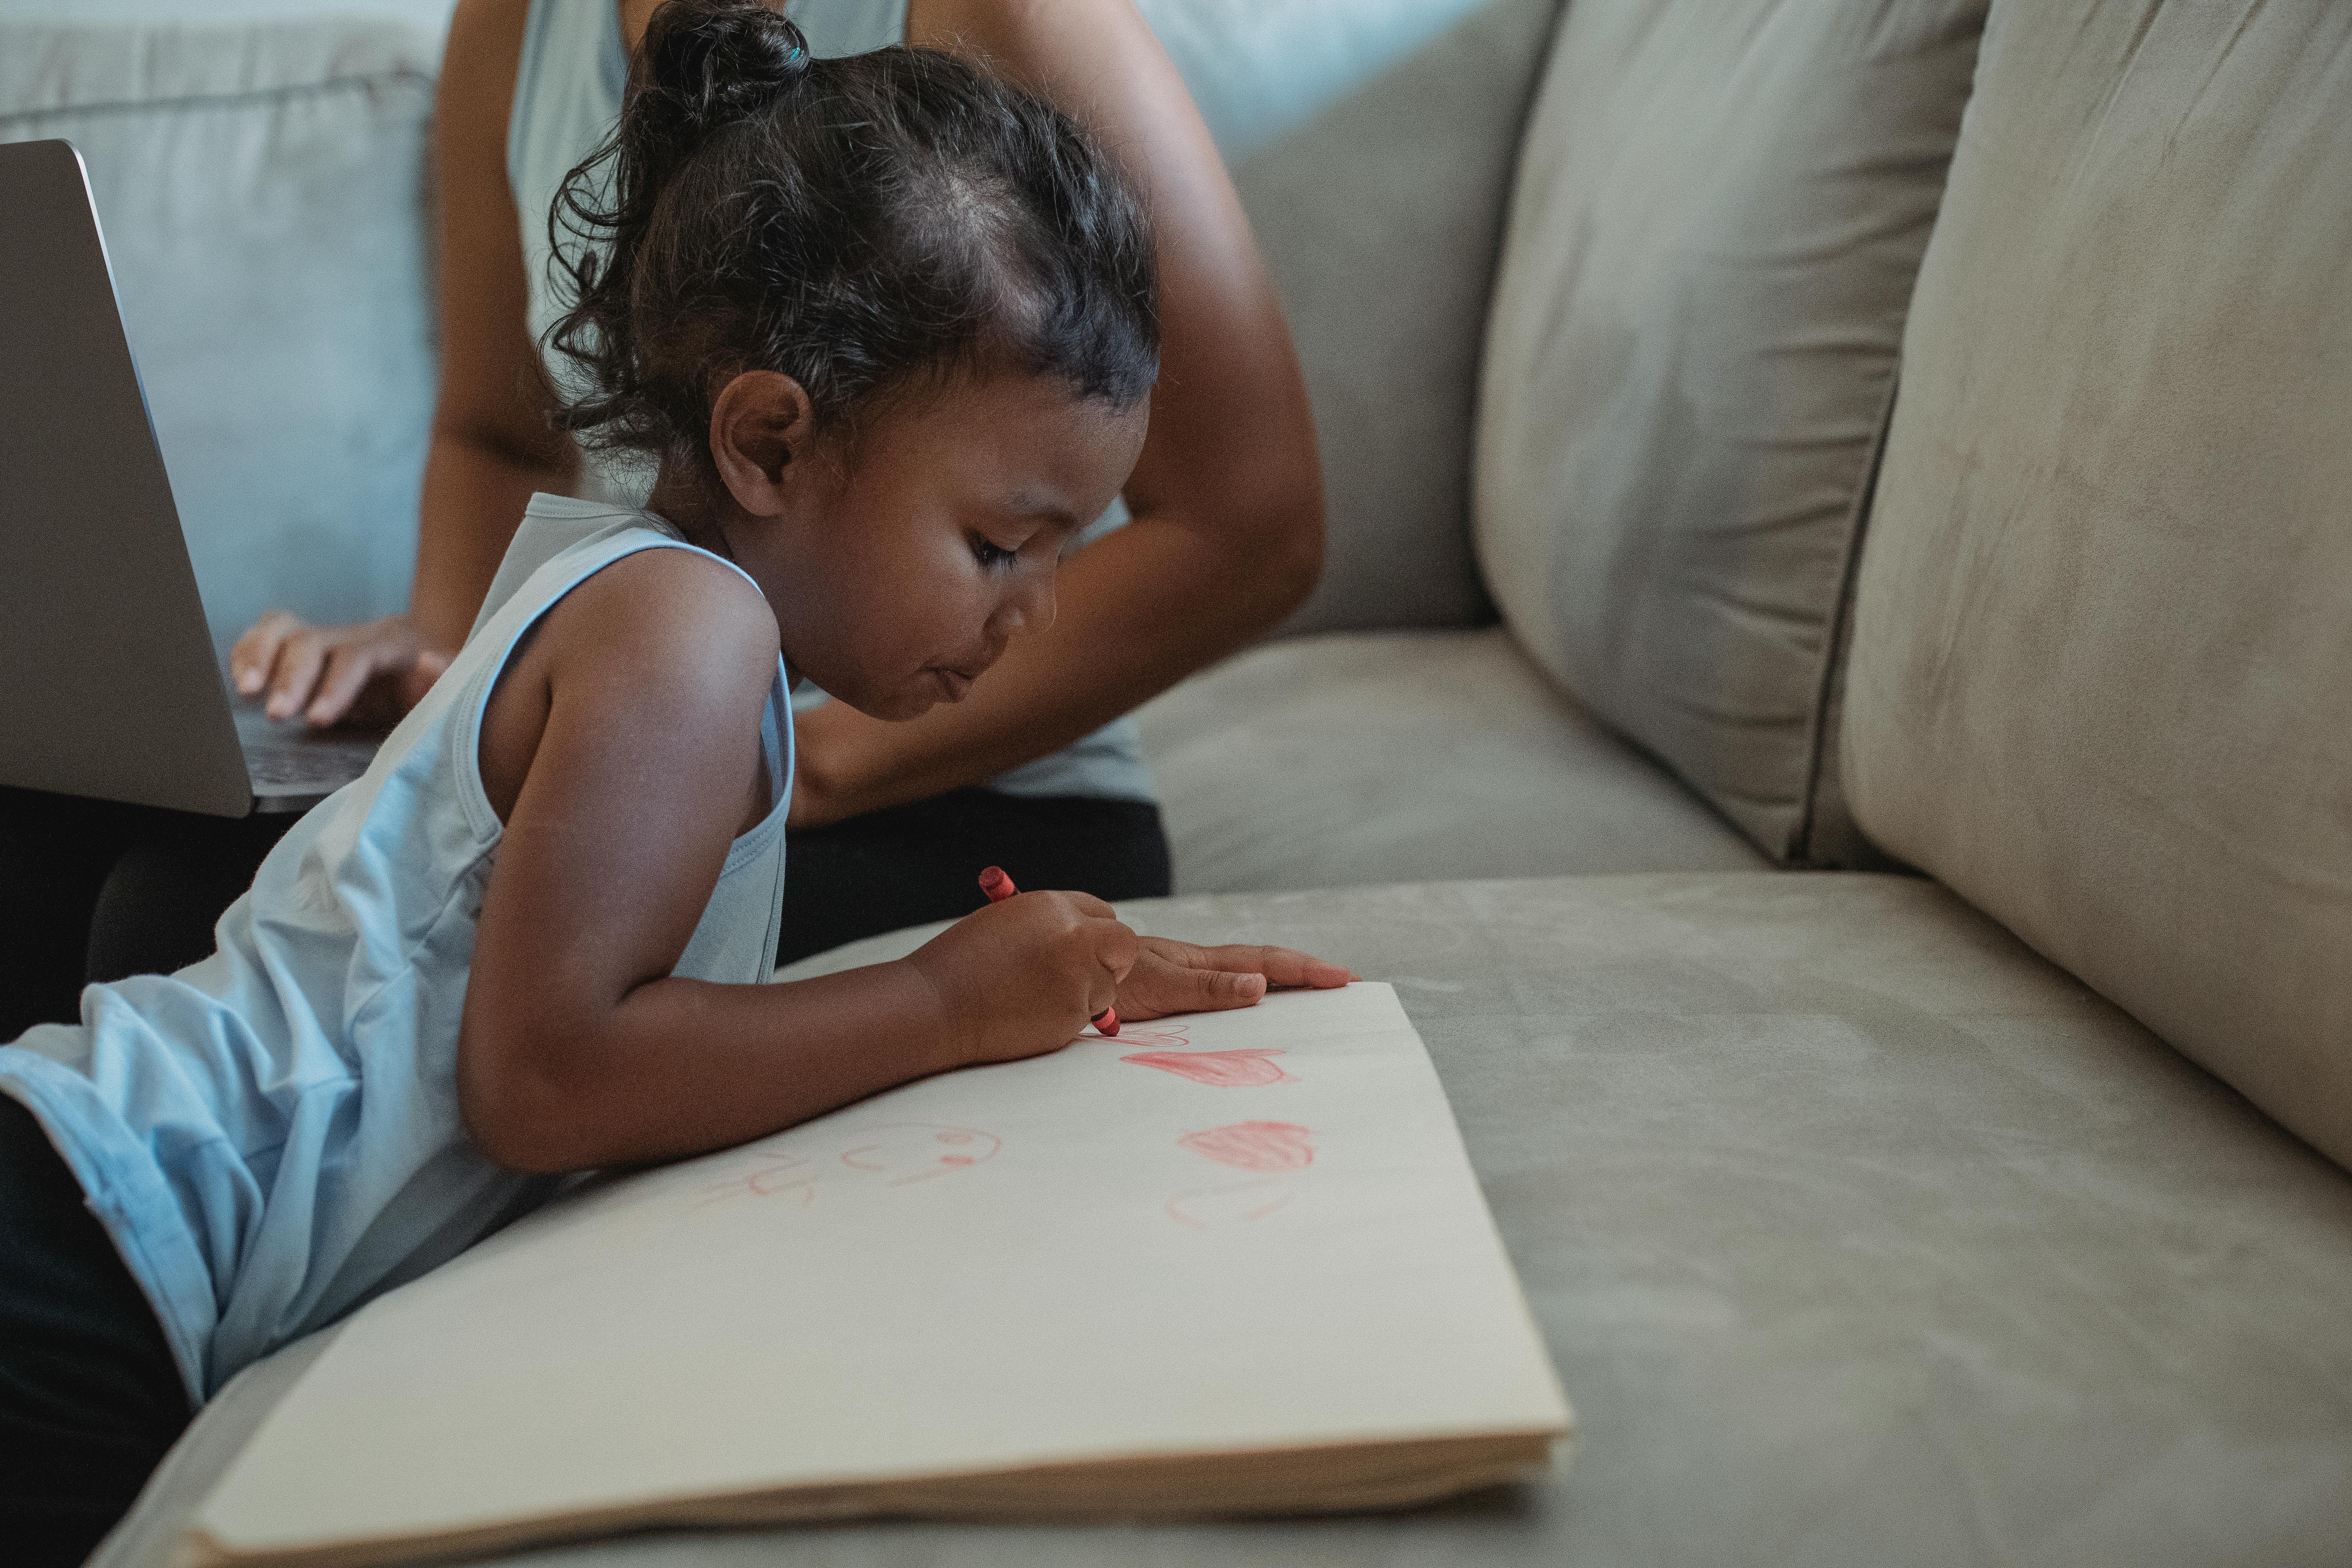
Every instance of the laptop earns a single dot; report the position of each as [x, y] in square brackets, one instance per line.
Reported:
[111, 688]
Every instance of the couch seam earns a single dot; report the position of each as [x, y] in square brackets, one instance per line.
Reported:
[1498, 243]
[1801, 850]
[397, 75]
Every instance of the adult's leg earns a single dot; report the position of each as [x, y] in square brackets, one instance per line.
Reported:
[89, 1396]
[167, 890]
[922, 862]
[55, 853]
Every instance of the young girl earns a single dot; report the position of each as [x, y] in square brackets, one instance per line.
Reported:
[886, 328]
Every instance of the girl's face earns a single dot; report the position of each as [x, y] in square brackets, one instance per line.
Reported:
[900, 564]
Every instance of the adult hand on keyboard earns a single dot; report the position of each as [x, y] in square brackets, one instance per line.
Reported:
[369, 672]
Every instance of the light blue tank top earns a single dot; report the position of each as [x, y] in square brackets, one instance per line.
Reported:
[271, 1136]
[573, 71]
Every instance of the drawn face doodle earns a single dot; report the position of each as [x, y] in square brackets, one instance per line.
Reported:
[1219, 1070]
[1255, 1145]
[1213, 1207]
[892, 1156]
[907, 1152]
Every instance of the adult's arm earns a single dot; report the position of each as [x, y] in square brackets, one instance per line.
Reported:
[490, 445]
[1227, 499]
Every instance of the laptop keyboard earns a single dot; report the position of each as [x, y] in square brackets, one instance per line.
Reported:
[288, 761]
[323, 768]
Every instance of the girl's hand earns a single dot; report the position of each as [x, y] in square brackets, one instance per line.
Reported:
[1022, 978]
[1180, 977]
[371, 671]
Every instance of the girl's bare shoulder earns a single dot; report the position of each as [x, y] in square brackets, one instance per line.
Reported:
[666, 647]
[667, 618]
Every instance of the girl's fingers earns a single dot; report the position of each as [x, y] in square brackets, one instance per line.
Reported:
[1118, 949]
[1280, 965]
[1213, 990]
[1162, 984]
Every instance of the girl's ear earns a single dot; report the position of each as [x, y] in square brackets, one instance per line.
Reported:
[762, 428]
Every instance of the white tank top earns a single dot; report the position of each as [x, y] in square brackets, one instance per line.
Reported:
[272, 1136]
[569, 84]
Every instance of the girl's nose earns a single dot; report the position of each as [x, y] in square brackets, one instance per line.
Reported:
[1029, 607]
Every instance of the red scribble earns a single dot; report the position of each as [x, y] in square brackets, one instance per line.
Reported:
[909, 1151]
[1255, 1145]
[1242, 1202]
[896, 1153]
[1172, 1035]
[790, 1177]
[1244, 1068]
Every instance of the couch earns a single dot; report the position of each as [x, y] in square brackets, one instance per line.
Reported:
[1828, 704]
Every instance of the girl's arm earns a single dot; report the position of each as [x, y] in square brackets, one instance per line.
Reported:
[1228, 500]
[490, 445]
[621, 748]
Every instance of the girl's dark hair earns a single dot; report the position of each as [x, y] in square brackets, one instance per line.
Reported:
[853, 224]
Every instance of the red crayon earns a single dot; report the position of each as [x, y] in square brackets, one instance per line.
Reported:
[999, 887]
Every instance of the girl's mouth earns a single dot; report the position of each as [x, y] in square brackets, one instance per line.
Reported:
[954, 683]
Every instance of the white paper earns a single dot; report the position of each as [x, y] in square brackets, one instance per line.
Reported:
[1234, 1231]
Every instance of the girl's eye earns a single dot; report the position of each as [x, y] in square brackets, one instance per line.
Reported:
[992, 556]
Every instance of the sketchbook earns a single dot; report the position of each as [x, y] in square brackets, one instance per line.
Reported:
[1226, 1264]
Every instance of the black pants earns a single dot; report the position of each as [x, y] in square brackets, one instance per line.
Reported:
[89, 1396]
[92, 890]
[922, 862]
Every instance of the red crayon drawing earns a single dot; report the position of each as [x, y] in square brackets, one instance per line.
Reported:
[1219, 1070]
[1235, 1204]
[916, 1151]
[787, 1178]
[791, 1177]
[1169, 1035]
[892, 1154]
[1255, 1145]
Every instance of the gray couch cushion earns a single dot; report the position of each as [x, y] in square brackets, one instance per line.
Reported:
[1372, 144]
[2104, 627]
[1859, 1235]
[1719, 210]
[1396, 756]
[262, 192]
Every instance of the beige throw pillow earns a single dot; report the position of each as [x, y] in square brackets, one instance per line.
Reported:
[2102, 669]
[1719, 211]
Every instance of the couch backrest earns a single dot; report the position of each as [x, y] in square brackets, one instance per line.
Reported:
[1719, 211]
[260, 188]
[263, 191]
[2101, 679]
[1371, 142]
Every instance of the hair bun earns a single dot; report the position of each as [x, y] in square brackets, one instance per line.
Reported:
[850, 222]
[709, 63]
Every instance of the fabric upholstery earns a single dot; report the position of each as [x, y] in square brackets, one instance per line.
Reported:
[279, 303]
[261, 188]
[1391, 756]
[1719, 211]
[1371, 144]
[2101, 641]
[1859, 1234]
